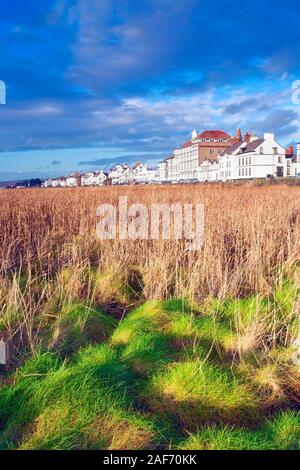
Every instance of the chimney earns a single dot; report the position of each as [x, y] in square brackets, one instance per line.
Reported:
[239, 135]
[247, 137]
[290, 151]
[269, 135]
[253, 137]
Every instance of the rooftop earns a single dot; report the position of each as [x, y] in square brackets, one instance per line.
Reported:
[214, 134]
[252, 146]
[233, 148]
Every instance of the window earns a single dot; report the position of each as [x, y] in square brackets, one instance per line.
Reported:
[280, 159]
[249, 171]
[261, 150]
[250, 161]
[246, 172]
[275, 150]
[288, 171]
[289, 163]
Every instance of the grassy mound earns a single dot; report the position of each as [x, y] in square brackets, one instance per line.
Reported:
[82, 404]
[283, 432]
[194, 392]
[169, 375]
[79, 325]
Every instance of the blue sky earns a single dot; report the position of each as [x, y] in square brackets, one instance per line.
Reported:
[93, 82]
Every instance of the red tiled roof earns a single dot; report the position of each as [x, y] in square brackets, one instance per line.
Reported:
[214, 135]
[187, 144]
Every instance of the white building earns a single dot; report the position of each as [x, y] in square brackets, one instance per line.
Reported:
[172, 170]
[118, 174]
[140, 172]
[208, 171]
[187, 159]
[261, 158]
[153, 175]
[258, 158]
[73, 181]
[55, 183]
[47, 184]
[62, 182]
[93, 178]
[185, 163]
[162, 171]
[293, 161]
[228, 161]
[58, 182]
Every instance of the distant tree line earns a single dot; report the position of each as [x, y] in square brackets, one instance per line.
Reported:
[30, 183]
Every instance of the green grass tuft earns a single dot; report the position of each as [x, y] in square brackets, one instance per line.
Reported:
[195, 392]
[79, 325]
[168, 370]
[280, 433]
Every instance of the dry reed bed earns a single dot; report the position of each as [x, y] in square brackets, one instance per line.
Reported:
[57, 281]
[250, 234]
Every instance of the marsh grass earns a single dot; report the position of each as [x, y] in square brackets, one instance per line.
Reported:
[141, 344]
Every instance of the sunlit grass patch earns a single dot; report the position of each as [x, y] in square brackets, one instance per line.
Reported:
[195, 392]
[119, 431]
[168, 368]
[280, 432]
[285, 296]
[79, 325]
[225, 438]
[115, 285]
[63, 427]
[284, 430]
[269, 385]
[55, 405]
[143, 338]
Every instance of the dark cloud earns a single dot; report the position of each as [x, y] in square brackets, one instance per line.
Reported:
[280, 121]
[108, 162]
[245, 105]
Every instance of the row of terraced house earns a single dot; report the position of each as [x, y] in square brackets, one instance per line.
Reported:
[119, 174]
[216, 156]
[210, 156]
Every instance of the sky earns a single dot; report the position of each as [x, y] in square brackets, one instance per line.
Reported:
[90, 83]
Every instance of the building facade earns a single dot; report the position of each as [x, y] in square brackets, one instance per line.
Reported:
[93, 178]
[215, 156]
[186, 160]
[73, 181]
[208, 157]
